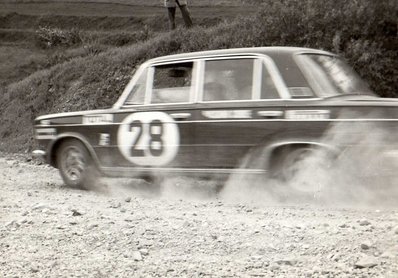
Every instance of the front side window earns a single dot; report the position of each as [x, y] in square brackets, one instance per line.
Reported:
[331, 76]
[172, 83]
[229, 79]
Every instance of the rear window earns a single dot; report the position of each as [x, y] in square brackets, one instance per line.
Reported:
[331, 76]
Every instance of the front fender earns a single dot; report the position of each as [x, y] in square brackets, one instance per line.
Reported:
[52, 148]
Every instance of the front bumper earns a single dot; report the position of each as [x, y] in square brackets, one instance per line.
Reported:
[39, 154]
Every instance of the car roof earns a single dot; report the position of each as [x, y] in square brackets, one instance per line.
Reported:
[270, 51]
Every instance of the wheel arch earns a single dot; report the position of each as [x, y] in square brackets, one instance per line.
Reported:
[55, 144]
[276, 148]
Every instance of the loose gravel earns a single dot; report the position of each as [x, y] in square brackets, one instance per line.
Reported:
[49, 230]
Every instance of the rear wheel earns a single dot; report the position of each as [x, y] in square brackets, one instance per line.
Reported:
[76, 165]
[302, 168]
[286, 163]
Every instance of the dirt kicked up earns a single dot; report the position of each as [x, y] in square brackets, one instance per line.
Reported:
[48, 230]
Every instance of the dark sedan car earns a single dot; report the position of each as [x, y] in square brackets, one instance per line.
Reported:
[214, 112]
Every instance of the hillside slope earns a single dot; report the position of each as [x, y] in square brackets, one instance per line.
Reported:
[141, 2]
[95, 27]
[359, 31]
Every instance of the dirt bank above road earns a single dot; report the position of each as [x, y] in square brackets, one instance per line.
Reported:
[48, 230]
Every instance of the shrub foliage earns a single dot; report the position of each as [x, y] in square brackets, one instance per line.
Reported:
[364, 32]
[48, 37]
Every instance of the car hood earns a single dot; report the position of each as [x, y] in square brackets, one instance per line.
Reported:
[73, 114]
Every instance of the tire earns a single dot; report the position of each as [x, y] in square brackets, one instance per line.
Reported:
[76, 166]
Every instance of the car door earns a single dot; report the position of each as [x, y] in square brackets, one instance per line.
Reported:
[152, 129]
[241, 106]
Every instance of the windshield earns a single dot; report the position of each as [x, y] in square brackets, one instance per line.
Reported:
[330, 76]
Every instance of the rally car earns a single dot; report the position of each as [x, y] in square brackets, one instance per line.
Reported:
[206, 112]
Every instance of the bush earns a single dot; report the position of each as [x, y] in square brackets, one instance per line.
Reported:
[47, 37]
[125, 38]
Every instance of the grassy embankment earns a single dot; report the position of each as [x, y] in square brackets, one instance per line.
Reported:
[362, 32]
[97, 26]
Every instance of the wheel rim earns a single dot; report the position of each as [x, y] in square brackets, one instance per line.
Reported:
[73, 164]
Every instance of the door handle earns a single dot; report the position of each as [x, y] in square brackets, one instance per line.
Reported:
[180, 115]
[270, 114]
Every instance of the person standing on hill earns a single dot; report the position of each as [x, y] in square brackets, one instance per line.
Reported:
[171, 6]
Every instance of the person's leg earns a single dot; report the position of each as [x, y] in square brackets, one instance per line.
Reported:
[186, 15]
[172, 17]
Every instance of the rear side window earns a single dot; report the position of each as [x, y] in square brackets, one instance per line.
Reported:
[172, 83]
[229, 79]
[238, 79]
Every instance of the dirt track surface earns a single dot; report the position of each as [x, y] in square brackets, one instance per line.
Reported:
[48, 230]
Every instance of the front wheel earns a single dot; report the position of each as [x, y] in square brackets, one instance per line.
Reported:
[76, 165]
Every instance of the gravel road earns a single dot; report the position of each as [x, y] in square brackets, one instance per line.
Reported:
[49, 230]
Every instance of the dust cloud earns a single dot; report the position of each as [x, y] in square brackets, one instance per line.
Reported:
[362, 173]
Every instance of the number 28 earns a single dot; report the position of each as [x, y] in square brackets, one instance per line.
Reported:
[147, 138]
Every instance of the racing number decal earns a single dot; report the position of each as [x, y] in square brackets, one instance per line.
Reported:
[155, 144]
[136, 132]
[149, 138]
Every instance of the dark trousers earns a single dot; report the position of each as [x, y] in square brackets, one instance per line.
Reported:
[185, 15]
